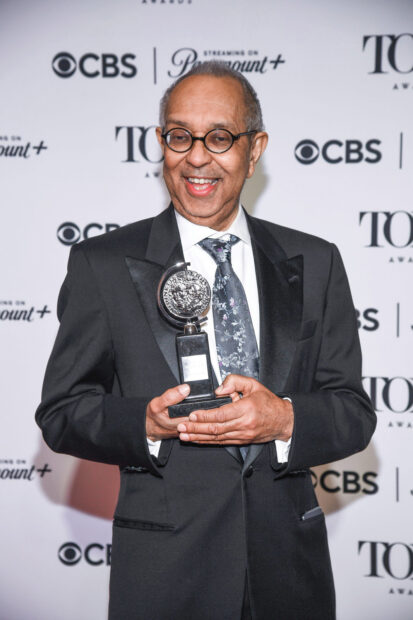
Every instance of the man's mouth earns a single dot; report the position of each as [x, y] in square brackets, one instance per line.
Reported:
[200, 186]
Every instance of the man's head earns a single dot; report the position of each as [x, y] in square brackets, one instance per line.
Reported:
[205, 186]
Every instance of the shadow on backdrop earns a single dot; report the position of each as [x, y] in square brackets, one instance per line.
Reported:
[338, 497]
[86, 486]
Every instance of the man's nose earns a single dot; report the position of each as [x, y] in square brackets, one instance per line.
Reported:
[198, 155]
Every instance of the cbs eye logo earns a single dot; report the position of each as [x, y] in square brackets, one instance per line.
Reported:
[70, 554]
[94, 65]
[307, 151]
[64, 65]
[338, 151]
[94, 554]
[69, 233]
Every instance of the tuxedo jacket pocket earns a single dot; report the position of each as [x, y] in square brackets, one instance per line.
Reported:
[138, 524]
[313, 513]
[143, 501]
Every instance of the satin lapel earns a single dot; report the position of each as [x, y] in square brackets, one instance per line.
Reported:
[280, 290]
[163, 250]
[145, 277]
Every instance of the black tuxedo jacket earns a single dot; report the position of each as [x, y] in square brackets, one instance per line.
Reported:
[189, 523]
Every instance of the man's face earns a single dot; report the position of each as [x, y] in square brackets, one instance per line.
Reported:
[201, 103]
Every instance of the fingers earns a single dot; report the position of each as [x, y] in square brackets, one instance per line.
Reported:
[235, 396]
[170, 397]
[221, 414]
[237, 383]
[215, 424]
[214, 433]
[158, 423]
[227, 439]
[228, 432]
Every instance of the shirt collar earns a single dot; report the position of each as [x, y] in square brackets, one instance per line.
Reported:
[191, 233]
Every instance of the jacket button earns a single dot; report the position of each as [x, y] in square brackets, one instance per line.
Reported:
[249, 472]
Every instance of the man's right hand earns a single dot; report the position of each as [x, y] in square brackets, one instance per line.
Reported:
[158, 423]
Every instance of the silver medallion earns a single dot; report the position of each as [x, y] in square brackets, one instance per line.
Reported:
[184, 294]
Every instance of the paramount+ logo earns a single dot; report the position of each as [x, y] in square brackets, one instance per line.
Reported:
[338, 151]
[92, 65]
[94, 554]
[245, 61]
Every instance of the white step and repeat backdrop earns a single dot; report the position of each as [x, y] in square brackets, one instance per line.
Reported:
[80, 83]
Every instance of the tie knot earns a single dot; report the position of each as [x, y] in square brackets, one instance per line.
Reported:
[219, 249]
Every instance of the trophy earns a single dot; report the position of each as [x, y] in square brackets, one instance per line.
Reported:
[183, 299]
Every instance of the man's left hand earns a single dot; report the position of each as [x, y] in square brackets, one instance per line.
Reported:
[257, 417]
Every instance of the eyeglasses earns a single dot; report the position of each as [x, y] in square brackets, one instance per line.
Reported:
[216, 140]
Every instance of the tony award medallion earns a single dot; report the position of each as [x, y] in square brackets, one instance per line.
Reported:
[183, 299]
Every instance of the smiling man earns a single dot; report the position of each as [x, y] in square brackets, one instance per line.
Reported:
[204, 185]
[217, 518]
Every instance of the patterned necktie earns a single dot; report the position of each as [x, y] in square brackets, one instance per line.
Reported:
[234, 332]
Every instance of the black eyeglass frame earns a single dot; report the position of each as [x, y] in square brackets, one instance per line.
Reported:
[193, 138]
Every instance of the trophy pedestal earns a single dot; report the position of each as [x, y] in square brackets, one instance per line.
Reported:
[195, 369]
[186, 407]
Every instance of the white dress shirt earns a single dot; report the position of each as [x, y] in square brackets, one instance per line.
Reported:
[242, 260]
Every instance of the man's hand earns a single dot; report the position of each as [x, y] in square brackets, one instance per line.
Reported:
[257, 417]
[158, 423]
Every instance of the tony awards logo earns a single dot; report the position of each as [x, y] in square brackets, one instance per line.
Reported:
[183, 299]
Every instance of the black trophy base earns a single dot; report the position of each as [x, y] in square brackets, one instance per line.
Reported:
[186, 407]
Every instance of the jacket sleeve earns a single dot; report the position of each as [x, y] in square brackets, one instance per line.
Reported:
[335, 418]
[78, 414]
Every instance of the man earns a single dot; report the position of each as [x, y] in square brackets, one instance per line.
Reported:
[217, 518]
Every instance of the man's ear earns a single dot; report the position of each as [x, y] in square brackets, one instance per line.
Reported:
[258, 146]
[159, 136]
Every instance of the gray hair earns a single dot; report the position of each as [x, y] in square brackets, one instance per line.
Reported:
[217, 68]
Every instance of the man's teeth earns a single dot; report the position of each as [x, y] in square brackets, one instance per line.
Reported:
[202, 181]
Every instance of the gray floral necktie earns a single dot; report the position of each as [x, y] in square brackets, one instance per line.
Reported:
[234, 332]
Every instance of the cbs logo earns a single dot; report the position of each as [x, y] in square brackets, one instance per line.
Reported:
[69, 233]
[336, 151]
[93, 65]
[95, 554]
[333, 481]
[367, 319]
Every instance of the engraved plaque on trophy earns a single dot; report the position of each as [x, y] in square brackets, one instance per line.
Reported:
[183, 299]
